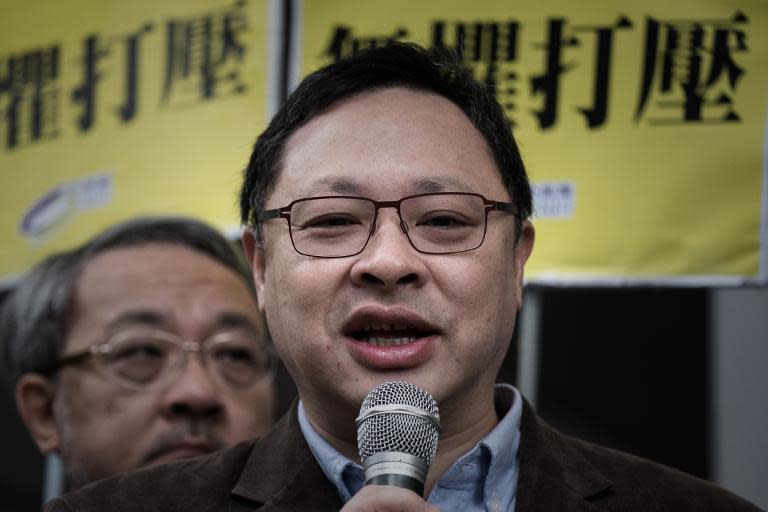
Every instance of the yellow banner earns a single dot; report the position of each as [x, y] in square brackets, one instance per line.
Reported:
[112, 109]
[642, 124]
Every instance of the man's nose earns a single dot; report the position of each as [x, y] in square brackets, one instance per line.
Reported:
[388, 259]
[193, 392]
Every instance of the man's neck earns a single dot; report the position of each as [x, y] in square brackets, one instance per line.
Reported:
[336, 426]
[459, 438]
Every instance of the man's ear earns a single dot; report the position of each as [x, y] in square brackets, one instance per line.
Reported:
[35, 394]
[522, 252]
[254, 253]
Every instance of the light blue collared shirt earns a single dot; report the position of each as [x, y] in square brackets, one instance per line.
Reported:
[483, 479]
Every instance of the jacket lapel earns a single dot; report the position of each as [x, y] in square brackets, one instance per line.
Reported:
[553, 474]
[281, 474]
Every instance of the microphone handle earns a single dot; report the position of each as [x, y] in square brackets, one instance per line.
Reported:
[402, 481]
[398, 469]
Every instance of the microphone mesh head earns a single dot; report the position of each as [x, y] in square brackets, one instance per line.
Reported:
[394, 431]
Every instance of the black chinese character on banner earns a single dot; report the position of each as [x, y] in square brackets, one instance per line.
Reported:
[690, 65]
[127, 111]
[344, 43]
[85, 93]
[29, 96]
[204, 54]
[95, 49]
[548, 83]
[489, 49]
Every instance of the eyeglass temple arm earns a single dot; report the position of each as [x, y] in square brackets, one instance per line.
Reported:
[272, 214]
[502, 206]
[76, 358]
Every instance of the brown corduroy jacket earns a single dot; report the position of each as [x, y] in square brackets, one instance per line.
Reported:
[279, 473]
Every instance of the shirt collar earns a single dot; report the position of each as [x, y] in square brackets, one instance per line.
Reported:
[491, 465]
[341, 471]
[503, 443]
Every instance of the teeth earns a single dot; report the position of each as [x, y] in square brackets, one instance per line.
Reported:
[387, 335]
[384, 327]
[390, 342]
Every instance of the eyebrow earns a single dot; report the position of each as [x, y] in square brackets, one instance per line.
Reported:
[144, 317]
[439, 184]
[234, 320]
[138, 317]
[339, 184]
[346, 185]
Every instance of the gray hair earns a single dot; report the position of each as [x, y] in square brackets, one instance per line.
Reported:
[34, 318]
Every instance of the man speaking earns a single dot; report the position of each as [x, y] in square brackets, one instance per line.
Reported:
[387, 207]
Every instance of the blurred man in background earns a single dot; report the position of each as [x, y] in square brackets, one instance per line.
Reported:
[142, 346]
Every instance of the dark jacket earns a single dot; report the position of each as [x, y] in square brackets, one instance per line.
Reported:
[279, 473]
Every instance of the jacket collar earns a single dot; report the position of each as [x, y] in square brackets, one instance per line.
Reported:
[281, 473]
[554, 475]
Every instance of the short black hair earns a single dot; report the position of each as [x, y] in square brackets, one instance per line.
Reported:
[437, 70]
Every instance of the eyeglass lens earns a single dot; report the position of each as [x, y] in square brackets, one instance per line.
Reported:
[144, 361]
[440, 223]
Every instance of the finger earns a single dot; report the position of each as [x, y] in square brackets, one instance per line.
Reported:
[381, 498]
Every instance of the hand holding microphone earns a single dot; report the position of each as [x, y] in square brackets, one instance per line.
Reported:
[386, 498]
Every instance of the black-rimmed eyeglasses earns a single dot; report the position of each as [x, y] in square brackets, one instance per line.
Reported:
[340, 226]
[150, 359]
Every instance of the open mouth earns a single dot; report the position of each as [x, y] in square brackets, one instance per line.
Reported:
[388, 328]
[388, 335]
[383, 338]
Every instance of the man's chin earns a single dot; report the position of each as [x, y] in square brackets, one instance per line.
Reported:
[178, 453]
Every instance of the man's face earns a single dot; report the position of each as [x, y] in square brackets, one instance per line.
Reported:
[104, 428]
[386, 145]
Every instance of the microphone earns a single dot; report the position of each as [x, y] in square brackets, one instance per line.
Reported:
[397, 432]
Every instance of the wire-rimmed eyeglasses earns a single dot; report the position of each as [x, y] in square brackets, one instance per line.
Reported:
[150, 359]
[340, 226]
